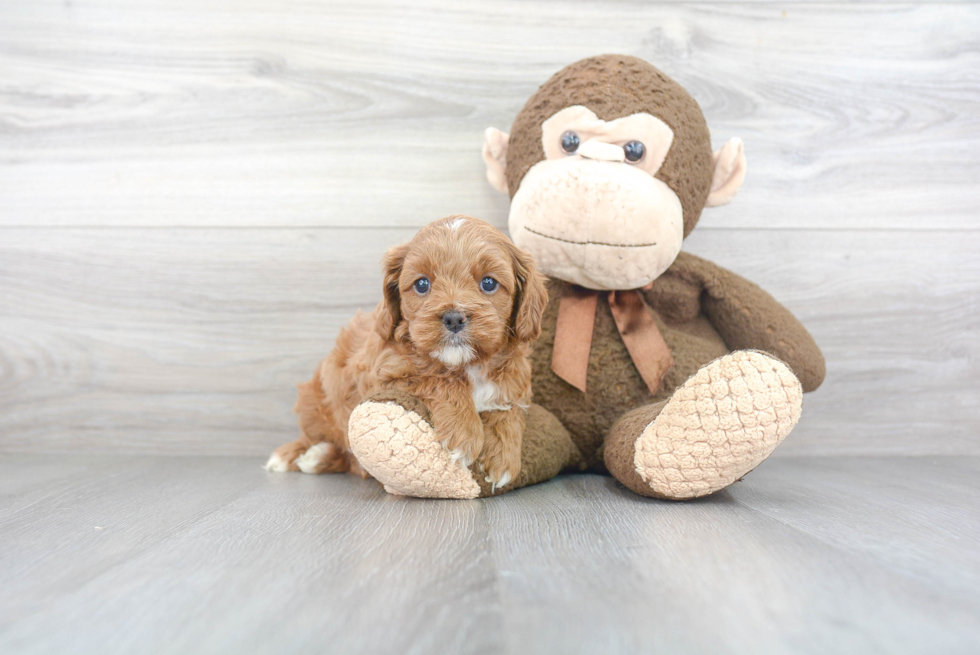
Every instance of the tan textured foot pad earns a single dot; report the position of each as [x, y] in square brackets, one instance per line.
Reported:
[400, 449]
[718, 426]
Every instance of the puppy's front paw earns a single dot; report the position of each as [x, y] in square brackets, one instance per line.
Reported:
[502, 465]
[464, 445]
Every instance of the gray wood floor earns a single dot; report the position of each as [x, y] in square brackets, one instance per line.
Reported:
[141, 554]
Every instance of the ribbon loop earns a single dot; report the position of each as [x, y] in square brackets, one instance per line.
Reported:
[573, 335]
[637, 328]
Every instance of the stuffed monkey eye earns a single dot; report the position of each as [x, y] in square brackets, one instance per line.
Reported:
[488, 284]
[421, 286]
[634, 151]
[570, 142]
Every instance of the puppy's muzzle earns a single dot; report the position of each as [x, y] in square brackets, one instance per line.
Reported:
[454, 322]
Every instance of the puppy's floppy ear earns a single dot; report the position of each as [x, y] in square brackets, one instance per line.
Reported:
[530, 297]
[391, 269]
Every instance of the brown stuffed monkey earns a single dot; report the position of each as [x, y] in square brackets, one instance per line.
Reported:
[672, 374]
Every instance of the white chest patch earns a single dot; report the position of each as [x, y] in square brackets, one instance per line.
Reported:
[486, 394]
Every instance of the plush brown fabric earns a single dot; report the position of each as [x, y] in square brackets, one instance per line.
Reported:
[614, 86]
[642, 339]
[691, 302]
[747, 317]
[573, 335]
[406, 400]
[547, 450]
[620, 451]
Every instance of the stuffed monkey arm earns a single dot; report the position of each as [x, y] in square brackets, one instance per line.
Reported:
[747, 317]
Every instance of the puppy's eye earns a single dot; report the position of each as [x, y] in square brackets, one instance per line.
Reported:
[634, 151]
[488, 284]
[570, 142]
[422, 285]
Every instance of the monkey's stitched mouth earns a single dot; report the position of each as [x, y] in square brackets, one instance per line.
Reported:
[592, 243]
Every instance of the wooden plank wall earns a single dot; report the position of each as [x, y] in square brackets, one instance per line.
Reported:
[194, 196]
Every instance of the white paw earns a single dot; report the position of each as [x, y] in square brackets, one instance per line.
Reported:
[461, 457]
[277, 464]
[457, 454]
[504, 480]
[309, 462]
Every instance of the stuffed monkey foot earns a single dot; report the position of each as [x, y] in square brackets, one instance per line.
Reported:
[719, 425]
[392, 437]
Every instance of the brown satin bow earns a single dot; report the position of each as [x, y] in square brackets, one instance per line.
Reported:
[573, 335]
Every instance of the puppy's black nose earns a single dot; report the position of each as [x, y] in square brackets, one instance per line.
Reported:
[454, 321]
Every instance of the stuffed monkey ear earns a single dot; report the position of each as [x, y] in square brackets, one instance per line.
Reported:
[495, 156]
[729, 173]
[391, 310]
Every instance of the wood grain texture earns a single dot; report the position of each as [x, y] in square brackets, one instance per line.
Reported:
[194, 198]
[350, 113]
[191, 340]
[116, 554]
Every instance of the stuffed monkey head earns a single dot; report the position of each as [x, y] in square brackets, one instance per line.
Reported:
[608, 167]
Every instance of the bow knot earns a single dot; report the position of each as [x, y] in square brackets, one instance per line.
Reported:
[634, 320]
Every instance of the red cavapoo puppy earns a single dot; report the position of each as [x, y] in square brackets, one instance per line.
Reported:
[462, 306]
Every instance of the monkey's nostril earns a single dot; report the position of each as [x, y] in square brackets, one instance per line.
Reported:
[454, 321]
